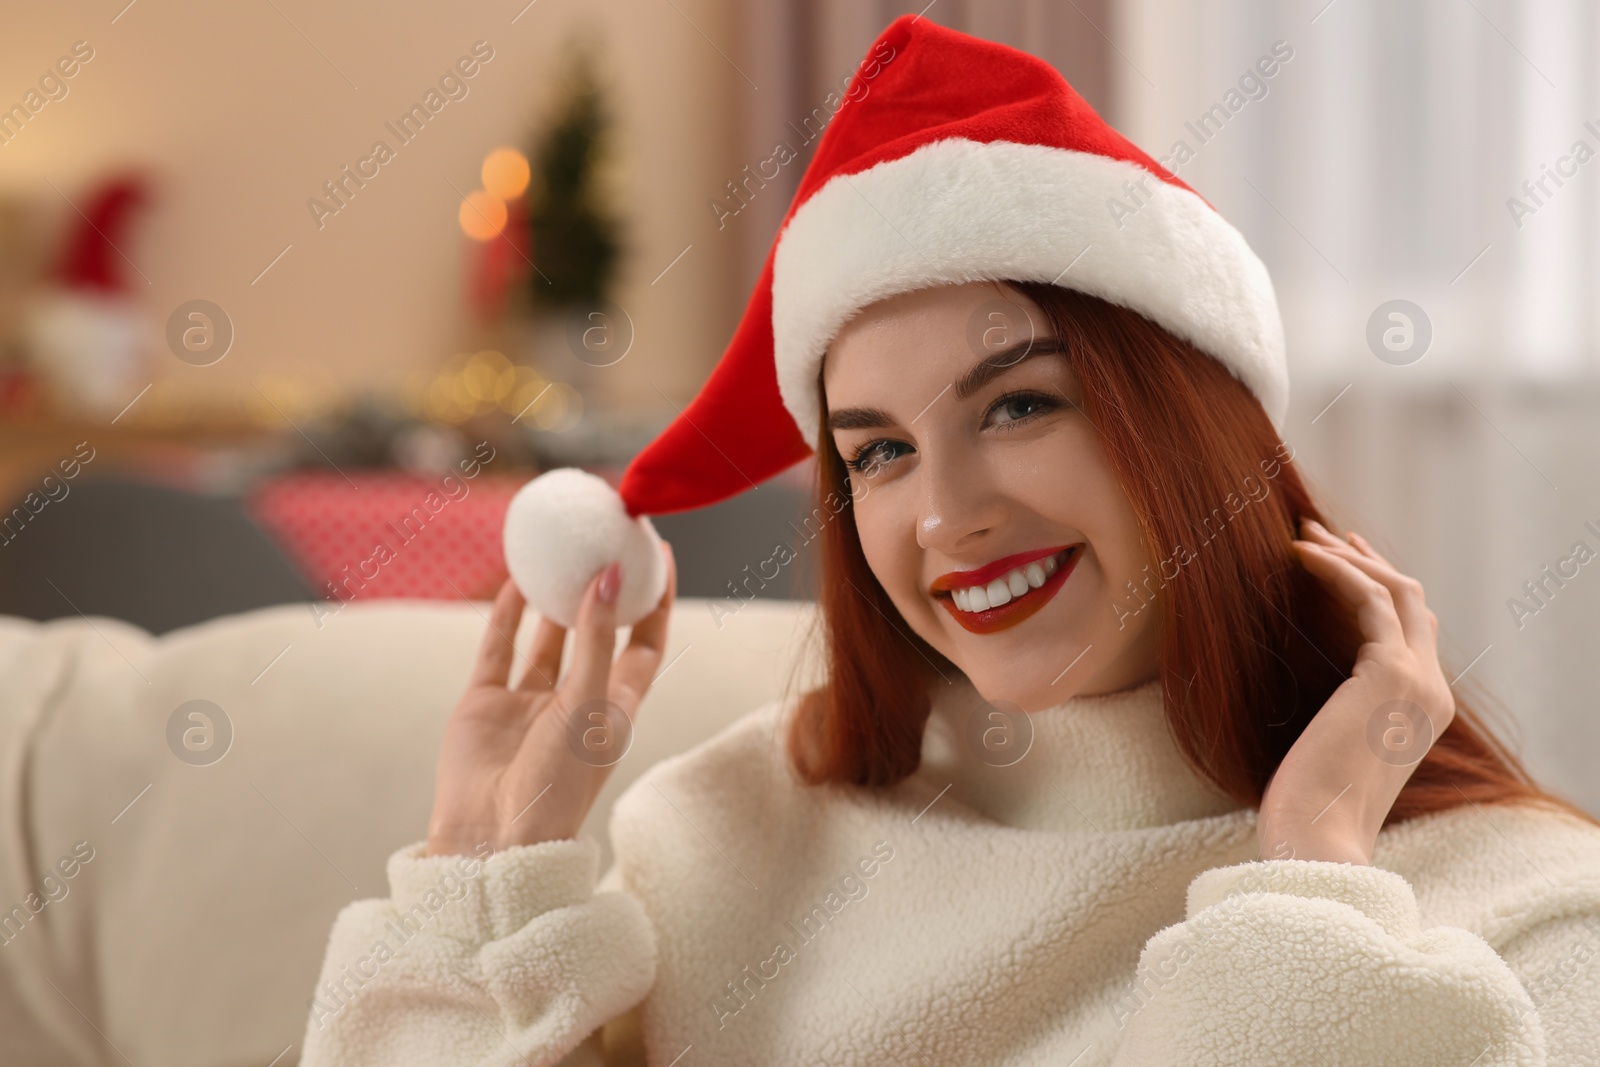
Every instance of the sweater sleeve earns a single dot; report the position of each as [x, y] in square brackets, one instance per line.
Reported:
[515, 959]
[1317, 962]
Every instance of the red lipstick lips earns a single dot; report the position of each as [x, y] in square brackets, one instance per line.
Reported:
[1017, 608]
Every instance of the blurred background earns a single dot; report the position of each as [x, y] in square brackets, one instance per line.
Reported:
[280, 282]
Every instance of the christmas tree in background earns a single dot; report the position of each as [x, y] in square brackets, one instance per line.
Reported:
[574, 239]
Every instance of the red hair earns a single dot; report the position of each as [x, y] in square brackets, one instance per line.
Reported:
[1262, 644]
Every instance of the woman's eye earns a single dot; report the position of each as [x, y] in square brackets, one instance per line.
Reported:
[872, 455]
[1006, 412]
[1015, 407]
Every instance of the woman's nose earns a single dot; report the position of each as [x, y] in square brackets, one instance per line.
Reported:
[959, 500]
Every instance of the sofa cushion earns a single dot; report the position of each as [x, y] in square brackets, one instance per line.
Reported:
[192, 927]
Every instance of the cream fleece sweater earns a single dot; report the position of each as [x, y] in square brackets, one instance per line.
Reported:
[1093, 903]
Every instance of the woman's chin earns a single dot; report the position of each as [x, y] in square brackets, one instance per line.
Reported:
[1038, 671]
[1027, 689]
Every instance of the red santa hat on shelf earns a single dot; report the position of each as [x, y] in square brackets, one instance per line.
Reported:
[950, 159]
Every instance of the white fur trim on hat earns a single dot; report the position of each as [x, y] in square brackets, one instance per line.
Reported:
[957, 211]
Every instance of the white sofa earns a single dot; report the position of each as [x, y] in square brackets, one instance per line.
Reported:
[191, 934]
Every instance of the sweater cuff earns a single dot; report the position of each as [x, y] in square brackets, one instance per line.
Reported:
[1383, 896]
[481, 900]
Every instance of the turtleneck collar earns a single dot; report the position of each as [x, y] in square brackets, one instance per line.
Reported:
[1094, 763]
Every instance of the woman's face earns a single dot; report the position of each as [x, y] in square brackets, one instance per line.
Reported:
[984, 502]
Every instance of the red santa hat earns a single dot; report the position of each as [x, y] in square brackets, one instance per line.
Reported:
[949, 159]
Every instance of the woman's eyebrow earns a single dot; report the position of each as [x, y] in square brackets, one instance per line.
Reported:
[859, 419]
[991, 367]
[980, 374]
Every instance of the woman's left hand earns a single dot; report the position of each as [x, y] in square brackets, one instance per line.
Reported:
[1330, 795]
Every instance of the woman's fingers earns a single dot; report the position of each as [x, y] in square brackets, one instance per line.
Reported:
[596, 637]
[498, 648]
[1370, 598]
[1421, 624]
[635, 669]
[646, 641]
[1410, 605]
[544, 666]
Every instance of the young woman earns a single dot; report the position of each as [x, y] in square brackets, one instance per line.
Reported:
[1122, 757]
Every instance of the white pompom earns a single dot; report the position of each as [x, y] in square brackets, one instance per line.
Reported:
[562, 528]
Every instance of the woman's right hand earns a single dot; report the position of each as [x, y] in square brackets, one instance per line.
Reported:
[514, 767]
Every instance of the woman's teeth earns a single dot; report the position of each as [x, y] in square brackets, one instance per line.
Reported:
[1009, 586]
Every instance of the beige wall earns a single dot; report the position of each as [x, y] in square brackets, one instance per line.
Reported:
[244, 120]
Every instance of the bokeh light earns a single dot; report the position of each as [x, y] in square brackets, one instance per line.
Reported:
[506, 173]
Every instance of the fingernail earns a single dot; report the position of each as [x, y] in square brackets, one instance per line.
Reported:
[610, 583]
